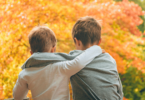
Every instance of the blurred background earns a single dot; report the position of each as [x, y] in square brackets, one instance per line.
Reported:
[123, 36]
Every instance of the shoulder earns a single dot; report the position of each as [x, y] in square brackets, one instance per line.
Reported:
[22, 73]
[75, 52]
[104, 61]
[106, 57]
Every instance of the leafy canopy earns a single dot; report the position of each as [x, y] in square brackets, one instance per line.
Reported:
[120, 35]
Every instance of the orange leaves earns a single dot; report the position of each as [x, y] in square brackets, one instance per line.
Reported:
[124, 98]
[121, 64]
[139, 64]
[18, 18]
[119, 22]
[126, 14]
[120, 35]
[1, 92]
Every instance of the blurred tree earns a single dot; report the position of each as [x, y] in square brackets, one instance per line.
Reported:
[120, 36]
[141, 3]
[133, 82]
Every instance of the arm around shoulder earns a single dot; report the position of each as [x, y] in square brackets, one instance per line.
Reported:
[73, 66]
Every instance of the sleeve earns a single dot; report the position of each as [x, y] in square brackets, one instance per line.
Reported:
[73, 66]
[20, 89]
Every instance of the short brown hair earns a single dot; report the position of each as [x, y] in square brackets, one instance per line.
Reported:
[41, 39]
[87, 30]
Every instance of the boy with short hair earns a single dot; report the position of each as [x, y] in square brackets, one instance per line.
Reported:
[49, 81]
[99, 80]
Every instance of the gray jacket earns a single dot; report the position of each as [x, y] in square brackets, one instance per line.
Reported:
[99, 80]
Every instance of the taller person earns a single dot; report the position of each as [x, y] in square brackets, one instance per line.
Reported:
[99, 80]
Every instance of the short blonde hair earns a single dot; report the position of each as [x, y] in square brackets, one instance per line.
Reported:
[87, 30]
[41, 39]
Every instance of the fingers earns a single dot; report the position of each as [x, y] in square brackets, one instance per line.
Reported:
[103, 51]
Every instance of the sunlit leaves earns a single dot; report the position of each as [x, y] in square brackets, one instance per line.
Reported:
[17, 18]
[120, 35]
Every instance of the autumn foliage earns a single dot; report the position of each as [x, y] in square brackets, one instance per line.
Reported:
[120, 35]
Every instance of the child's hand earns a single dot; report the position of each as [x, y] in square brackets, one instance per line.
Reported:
[103, 51]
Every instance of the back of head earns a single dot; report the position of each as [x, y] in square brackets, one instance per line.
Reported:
[87, 30]
[41, 39]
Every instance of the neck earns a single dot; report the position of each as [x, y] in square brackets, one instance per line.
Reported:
[88, 46]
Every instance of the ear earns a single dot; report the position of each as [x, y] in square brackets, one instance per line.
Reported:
[53, 49]
[31, 52]
[100, 41]
[77, 42]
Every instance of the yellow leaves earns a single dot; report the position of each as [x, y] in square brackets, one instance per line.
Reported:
[18, 17]
[9, 78]
[1, 92]
[29, 94]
